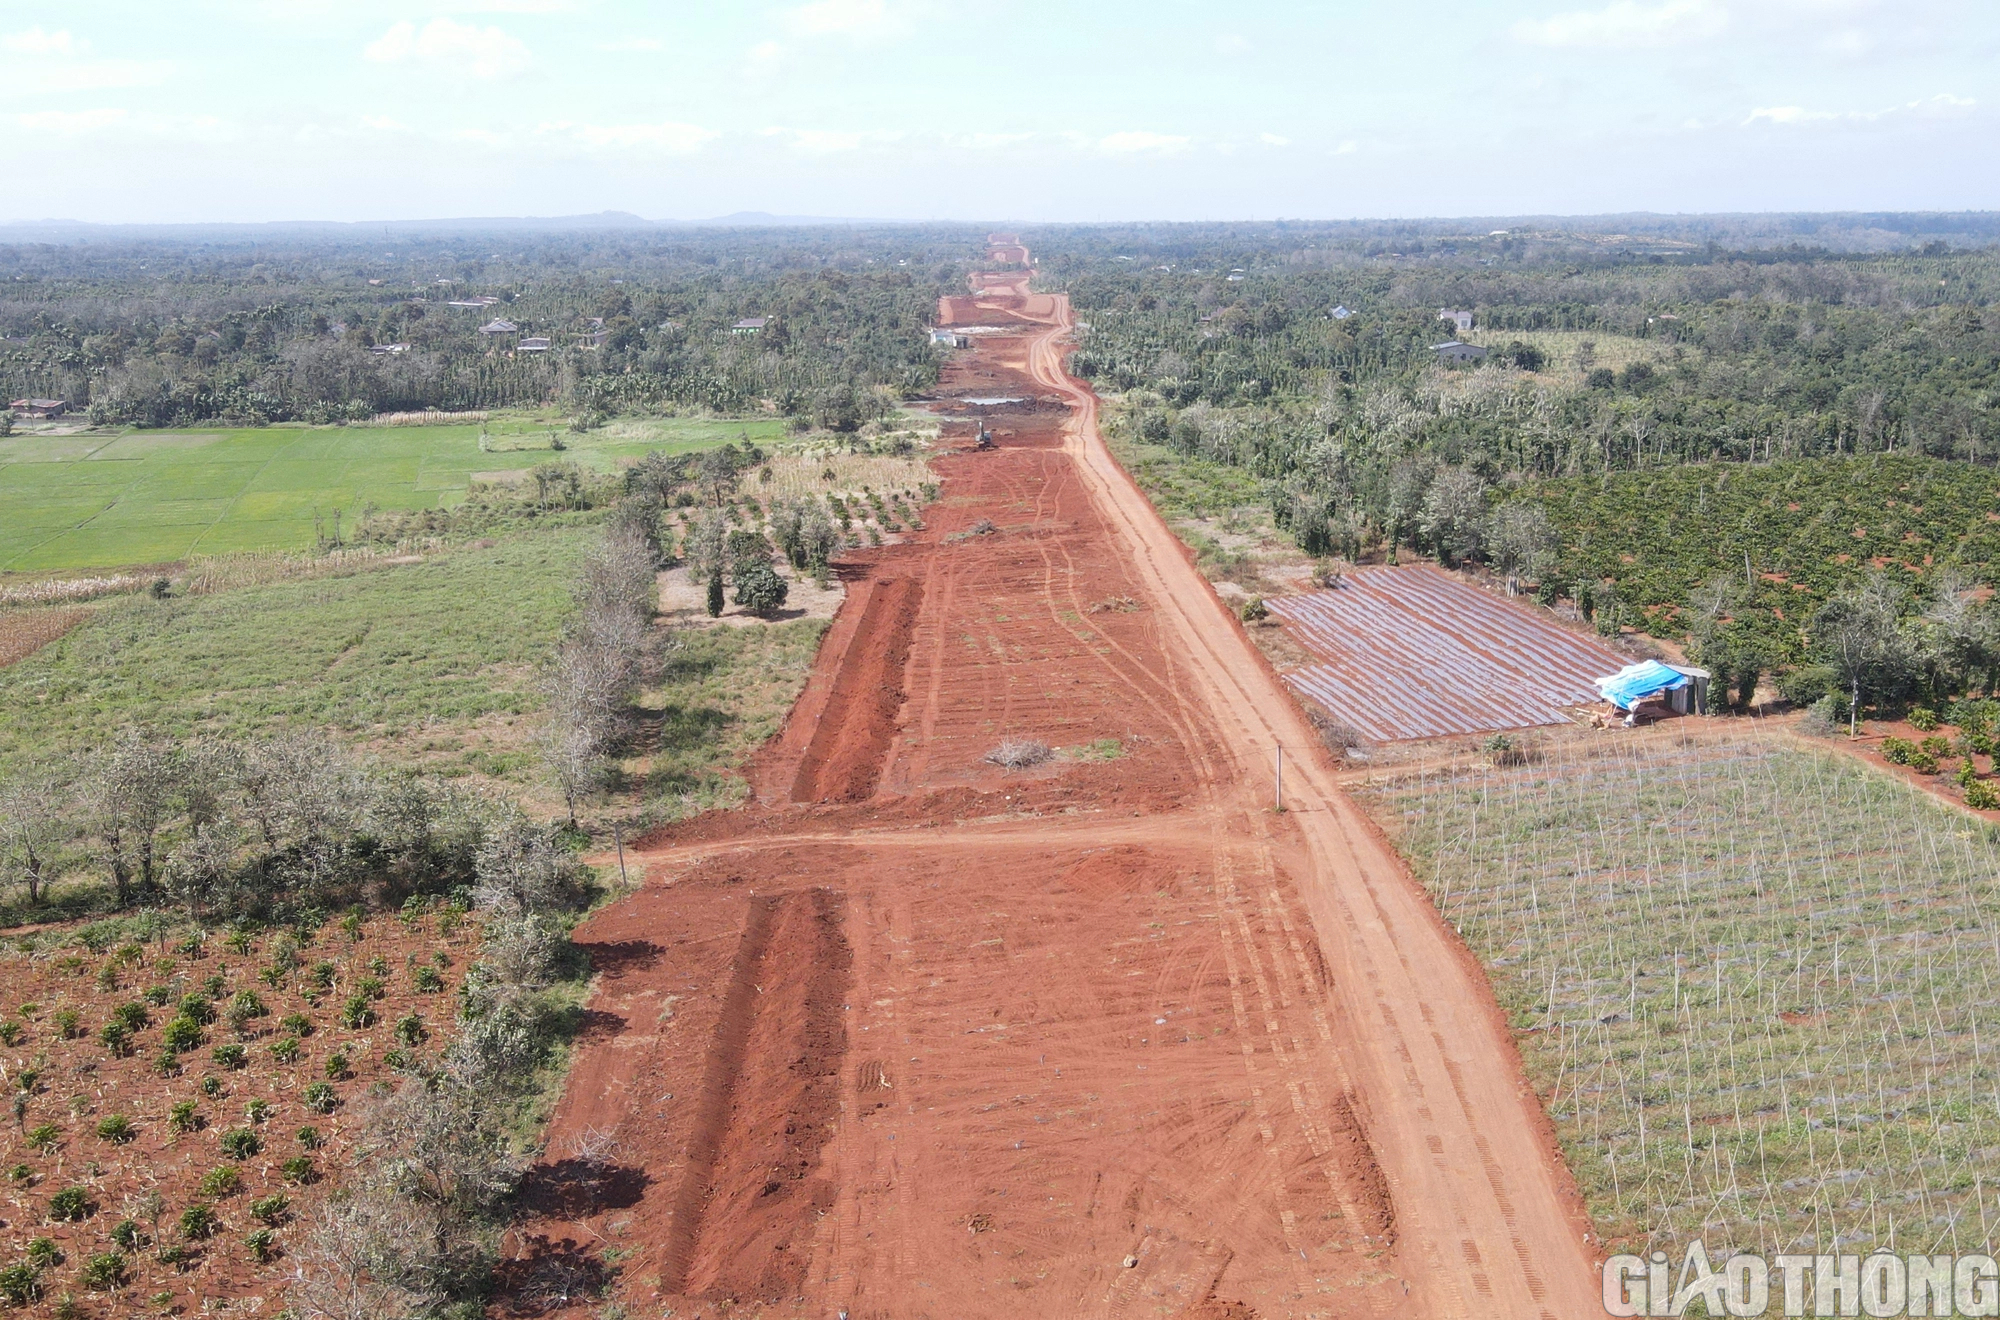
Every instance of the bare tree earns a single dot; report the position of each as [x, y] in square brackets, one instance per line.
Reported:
[522, 870]
[362, 1258]
[1454, 515]
[136, 798]
[34, 828]
[1523, 542]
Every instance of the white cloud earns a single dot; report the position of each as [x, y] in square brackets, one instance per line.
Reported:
[1233, 43]
[850, 17]
[71, 123]
[1273, 140]
[1942, 106]
[484, 52]
[669, 138]
[633, 43]
[39, 41]
[384, 124]
[1626, 24]
[1136, 143]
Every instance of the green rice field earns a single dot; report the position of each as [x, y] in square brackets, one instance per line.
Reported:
[148, 497]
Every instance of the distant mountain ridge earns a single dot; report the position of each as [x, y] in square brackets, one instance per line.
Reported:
[69, 231]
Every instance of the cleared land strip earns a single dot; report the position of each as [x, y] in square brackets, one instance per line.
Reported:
[1486, 1218]
[1411, 653]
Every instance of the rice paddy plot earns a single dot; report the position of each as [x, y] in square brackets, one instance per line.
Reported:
[90, 501]
[1754, 983]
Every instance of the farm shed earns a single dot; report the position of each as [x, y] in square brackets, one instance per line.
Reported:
[1453, 351]
[1685, 686]
[749, 325]
[40, 407]
[534, 344]
[1461, 320]
[498, 327]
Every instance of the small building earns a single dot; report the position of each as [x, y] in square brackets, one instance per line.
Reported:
[1342, 313]
[389, 348]
[950, 339]
[749, 325]
[534, 344]
[39, 407]
[1454, 351]
[593, 339]
[499, 327]
[1462, 320]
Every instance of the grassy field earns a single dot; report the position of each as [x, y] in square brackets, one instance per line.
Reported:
[143, 497]
[1754, 983]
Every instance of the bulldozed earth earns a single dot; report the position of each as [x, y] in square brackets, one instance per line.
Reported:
[917, 1034]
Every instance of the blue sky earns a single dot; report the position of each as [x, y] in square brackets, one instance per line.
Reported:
[189, 110]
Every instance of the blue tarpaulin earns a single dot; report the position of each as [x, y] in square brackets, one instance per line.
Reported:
[1634, 683]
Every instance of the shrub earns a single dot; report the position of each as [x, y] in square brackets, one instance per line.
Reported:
[1923, 719]
[371, 986]
[116, 1128]
[20, 1173]
[260, 1244]
[183, 1118]
[44, 1137]
[274, 1209]
[128, 1235]
[1503, 750]
[71, 1205]
[1923, 762]
[323, 974]
[1020, 753]
[1981, 795]
[133, 1015]
[198, 1007]
[230, 1056]
[103, 1272]
[427, 981]
[20, 1285]
[117, 1038]
[1254, 610]
[298, 1169]
[286, 1050]
[309, 1138]
[10, 1033]
[320, 1098]
[197, 1222]
[44, 1254]
[68, 1024]
[410, 1029]
[297, 1024]
[240, 1143]
[336, 1066]
[257, 1110]
[157, 995]
[183, 1033]
[175, 1255]
[357, 1012]
[1936, 745]
[244, 1006]
[225, 1180]
[212, 989]
[378, 965]
[211, 1086]
[1898, 751]
[759, 589]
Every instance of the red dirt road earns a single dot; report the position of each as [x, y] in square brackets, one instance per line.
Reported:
[915, 1036]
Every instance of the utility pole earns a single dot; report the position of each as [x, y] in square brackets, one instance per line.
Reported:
[621, 856]
[1279, 803]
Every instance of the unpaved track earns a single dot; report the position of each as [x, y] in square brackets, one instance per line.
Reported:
[1482, 1203]
[915, 1037]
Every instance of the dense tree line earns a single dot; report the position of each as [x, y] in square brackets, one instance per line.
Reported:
[163, 334]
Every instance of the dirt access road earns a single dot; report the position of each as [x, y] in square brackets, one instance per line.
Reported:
[914, 1036]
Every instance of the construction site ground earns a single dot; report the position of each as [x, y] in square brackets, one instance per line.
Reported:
[915, 1035]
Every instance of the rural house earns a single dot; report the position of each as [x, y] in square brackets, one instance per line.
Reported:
[1341, 313]
[40, 407]
[950, 339]
[1463, 320]
[1453, 351]
[534, 344]
[498, 327]
[749, 325]
[389, 348]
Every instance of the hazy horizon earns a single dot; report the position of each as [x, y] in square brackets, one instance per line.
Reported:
[247, 111]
